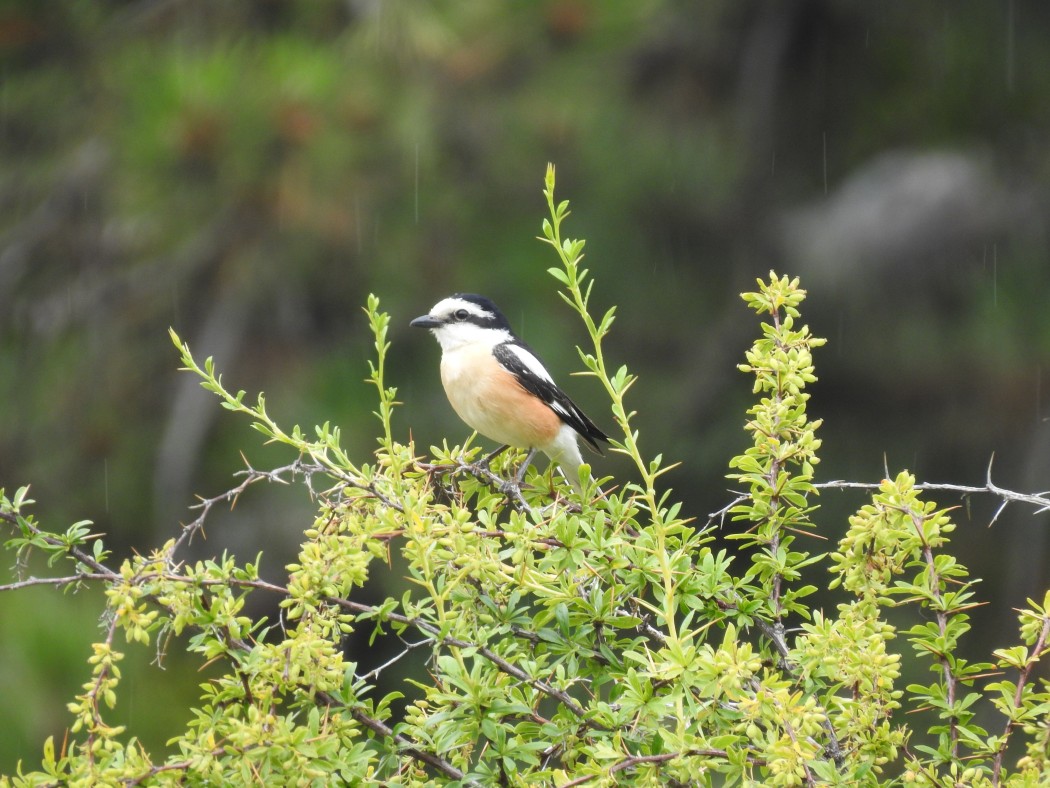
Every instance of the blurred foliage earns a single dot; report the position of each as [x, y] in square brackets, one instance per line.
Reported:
[247, 171]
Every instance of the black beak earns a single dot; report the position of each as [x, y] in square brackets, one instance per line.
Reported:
[426, 321]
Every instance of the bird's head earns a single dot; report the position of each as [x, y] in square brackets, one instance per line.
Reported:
[465, 318]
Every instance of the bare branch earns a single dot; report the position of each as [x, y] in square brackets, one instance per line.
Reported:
[57, 581]
[640, 760]
[1033, 656]
[1040, 500]
[374, 674]
[406, 745]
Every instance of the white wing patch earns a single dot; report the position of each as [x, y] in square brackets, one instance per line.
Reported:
[532, 364]
[518, 360]
[558, 408]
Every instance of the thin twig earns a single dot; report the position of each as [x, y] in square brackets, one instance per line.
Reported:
[511, 670]
[640, 760]
[54, 541]
[720, 514]
[1040, 500]
[1033, 656]
[483, 474]
[406, 745]
[57, 581]
[173, 766]
[93, 694]
[230, 496]
[408, 648]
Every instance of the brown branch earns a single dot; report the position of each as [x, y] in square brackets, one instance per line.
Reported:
[506, 667]
[404, 744]
[174, 766]
[1033, 656]
[51, 539]
[950, 682]
[251, 477]
[640, 760]
[92, 696]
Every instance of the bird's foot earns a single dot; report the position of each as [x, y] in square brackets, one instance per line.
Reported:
[510, 487]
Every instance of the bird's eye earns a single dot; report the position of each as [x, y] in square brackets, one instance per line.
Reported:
[461, 314]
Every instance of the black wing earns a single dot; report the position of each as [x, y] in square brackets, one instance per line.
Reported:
[518, 358]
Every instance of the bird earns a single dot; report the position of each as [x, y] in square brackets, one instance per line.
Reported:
[501, 389]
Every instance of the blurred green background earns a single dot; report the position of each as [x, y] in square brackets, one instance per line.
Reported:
[247, 172]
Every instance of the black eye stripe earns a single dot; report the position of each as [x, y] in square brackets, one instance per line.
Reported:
[479, 311]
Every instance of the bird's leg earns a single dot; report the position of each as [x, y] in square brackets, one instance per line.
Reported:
[520, 475]
[512, 487]
[488, 458]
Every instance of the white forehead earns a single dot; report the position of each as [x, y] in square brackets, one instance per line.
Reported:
[447, 306]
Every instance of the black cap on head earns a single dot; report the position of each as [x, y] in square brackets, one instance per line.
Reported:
[498, 320]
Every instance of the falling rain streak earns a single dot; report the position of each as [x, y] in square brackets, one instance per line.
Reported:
[824, 137]
[995, 275]
[1038, 393]
[1011, 32]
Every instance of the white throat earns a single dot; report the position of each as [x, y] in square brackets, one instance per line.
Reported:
[454, 336]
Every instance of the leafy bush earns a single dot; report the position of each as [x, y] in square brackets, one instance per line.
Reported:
[569, 642]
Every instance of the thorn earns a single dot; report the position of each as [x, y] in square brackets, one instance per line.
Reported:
[998, 512]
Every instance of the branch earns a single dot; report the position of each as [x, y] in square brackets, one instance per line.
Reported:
[640, 760]
[51, 539]
[482, 474]
[104, 573]
[720, 514]
[447, 640]
[1033, 657]
[409, 647]
[297, 468]
[1040, 500]
[231, 496]
[173, 766]
[58, 581]
[406, 745]
[95, 688]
